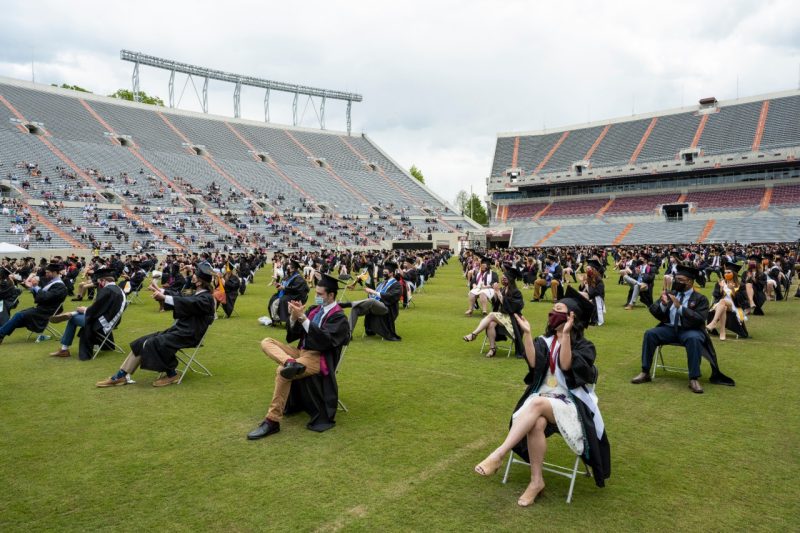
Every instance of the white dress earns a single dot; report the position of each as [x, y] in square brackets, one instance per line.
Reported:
[564, 410]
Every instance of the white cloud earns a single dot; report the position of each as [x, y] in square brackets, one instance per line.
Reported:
[439, 79]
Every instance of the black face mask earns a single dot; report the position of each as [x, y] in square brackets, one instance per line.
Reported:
[678, 286]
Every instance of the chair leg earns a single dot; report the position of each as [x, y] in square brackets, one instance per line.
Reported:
[508, 467]
[572, 480]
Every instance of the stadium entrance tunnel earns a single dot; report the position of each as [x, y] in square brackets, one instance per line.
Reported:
[34, 128]
[125, 141]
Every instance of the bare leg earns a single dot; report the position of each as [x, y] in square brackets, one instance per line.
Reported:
[749, 289]
[471, 304]
[522, 425]
[537, 446]
[491, 334]
[484, 302]
[483, 324]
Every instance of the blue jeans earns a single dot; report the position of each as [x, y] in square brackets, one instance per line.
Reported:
[12, 324]
[77, 321]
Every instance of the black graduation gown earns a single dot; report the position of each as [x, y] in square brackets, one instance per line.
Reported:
[318, 395]
[106, 306]
[646, 295]
[232, 285]
[694, 317]
[512, 305]
[297, 289]
[598, 290]
[193, 315]
[597, 451]
[383, 325]
[8, 295]
[759, 282]
[47, 303]
[731, 320]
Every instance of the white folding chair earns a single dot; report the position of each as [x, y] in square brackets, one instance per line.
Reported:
[106, 338]
[342, 406]
[567, 472]
[190, 361]
[509, 343]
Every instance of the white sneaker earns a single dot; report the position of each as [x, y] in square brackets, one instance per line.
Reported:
[265, 321]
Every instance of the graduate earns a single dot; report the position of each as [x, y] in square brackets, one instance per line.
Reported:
[307, 372]
[501, 323]
[594, 290]
[193, 315]
[682, 315]
[559, 397]
[48, 298]
[729, 303]
[9, 293]
[293, 287]
[381, 308]
[232, 283]
[96, 320]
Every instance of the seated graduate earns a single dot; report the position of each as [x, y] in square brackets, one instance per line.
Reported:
[729, 303]
[9, 294]
[381, 308]
[501, 323]
[550, 276]
[193, 315]
[682, 314]
[231, 284]
[292, 288]
[48, 299]
[322, 331]
[559, 398]
[593, 289]
[639, 276]
[481, 288]
[96, 320]
[755, 283]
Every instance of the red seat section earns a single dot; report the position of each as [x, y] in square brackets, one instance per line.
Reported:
[575, 208]
[517, 211]
[640, 204]
[727, 199]
[786, 195]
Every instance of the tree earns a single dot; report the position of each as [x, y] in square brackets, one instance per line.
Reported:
[125, 94]
[475, 210]
[462, 198]
[72, 87]
[417, 173]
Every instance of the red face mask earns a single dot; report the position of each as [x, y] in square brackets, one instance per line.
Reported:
[555, 319]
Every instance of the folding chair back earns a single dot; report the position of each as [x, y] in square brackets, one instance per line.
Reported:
[54, 333]
[106, 341]
[190, 361]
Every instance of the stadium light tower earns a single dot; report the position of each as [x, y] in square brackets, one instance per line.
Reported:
[323, 95]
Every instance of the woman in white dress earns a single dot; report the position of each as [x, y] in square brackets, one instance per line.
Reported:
[559, 398]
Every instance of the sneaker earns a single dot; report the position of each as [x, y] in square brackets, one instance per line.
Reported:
[112, 382]
[42, 338]
[166, 380]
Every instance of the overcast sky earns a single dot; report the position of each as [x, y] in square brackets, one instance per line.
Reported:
[439, 79]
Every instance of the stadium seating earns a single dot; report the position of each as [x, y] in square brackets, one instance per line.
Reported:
[726, 199]
[174, 169]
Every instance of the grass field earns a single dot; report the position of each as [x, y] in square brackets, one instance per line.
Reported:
[423, 412]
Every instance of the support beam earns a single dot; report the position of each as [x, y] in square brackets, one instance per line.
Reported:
[205, 95]
[237, 100]
[172, 88]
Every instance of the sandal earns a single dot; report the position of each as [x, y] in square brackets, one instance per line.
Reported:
[492, 352]
[468, 313]
[487, 467]
[469, 338]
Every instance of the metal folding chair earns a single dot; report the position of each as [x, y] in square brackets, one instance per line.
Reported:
[508, 344]
[54, 333]
[190, 361]
[342, 406]
[106, 339]
[567, 472]
[659, 363]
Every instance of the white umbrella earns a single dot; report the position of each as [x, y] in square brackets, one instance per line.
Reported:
[10, 249]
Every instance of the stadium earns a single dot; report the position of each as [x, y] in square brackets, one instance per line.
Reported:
[264, 318]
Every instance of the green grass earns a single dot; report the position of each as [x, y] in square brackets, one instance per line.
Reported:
[423, 412]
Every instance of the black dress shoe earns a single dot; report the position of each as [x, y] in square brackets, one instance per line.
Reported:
[345, 305]
[641, 379]
[292, 369]
[267, 427]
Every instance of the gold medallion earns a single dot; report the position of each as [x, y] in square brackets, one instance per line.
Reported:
[552, 382]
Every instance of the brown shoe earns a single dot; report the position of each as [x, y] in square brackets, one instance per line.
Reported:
[60, 353]
[642, 377]
[112, 382]
[694, 385]
[166, 380]
[63, 317]
[628, 307]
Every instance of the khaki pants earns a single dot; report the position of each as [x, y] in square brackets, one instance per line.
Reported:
[540, 284]
[280, 353]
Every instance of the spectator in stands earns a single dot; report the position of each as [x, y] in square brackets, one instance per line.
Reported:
[682, 314]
